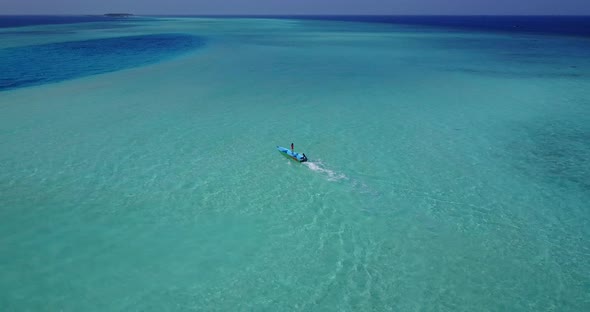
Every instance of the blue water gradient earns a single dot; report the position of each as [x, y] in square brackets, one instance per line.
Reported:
[40, 64]
[564, 25]
[557, 25]
[448, 171]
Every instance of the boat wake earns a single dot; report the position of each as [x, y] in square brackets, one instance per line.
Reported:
[320, 168]
[355, 184]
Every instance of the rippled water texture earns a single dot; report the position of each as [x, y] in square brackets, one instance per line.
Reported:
[448, 167]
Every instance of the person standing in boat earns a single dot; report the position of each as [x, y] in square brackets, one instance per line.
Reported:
[292, 148]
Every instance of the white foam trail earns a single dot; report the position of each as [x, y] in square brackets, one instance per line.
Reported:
[318, 167]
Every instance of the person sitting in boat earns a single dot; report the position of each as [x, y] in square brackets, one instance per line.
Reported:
[304, 157]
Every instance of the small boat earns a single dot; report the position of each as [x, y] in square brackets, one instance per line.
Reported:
[292, 155]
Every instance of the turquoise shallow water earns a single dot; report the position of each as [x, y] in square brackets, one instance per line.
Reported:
[448, 172]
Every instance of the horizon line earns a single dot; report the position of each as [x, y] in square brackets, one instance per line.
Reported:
[278, 14]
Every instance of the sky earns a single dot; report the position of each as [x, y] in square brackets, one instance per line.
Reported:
[277, 7]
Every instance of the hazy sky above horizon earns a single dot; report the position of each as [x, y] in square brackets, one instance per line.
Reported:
[382, 7]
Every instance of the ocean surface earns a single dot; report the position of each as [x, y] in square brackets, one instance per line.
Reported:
[449, 164]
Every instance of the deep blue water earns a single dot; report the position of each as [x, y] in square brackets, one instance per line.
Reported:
[30, 20]
[565, 25]
[40, 64]
[34, 65]
[562, 25]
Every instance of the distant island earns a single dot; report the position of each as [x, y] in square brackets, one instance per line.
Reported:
[118, 14]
